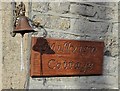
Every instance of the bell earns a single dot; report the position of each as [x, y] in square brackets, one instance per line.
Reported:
[22, 26]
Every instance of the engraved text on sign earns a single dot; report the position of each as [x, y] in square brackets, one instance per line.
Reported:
[54, 57]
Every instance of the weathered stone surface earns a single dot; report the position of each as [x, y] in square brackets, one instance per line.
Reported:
[108, 4]
[0, 6]
[103, 82]
[6, 6]
[83, 9]
[111, 44]
[110, 66]
[53, 22]
[100, 3]
[106, 13]
[87, 27]
[101, 10]
[40, 7]
[59, 7]
[115, 31]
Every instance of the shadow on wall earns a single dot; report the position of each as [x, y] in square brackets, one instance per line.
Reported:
[42, 46]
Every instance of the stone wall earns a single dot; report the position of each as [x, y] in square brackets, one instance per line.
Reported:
[80, 21]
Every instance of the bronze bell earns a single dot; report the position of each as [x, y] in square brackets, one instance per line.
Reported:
[22, 26]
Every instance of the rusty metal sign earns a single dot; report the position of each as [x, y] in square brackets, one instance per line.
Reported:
[57, 57]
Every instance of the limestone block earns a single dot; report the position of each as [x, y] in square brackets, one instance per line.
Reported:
[104, 82]
[110, 66]
[105, 13]
[108, 4]
[59, 7]
[42, 7]
[82, 9]
[111, 45]
[100, 3]
[53, 22]
[87, 27]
